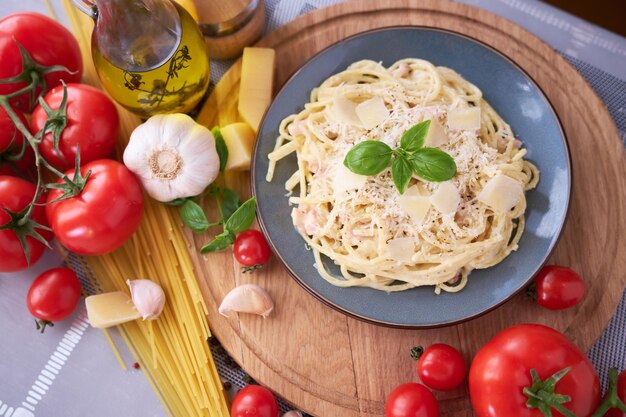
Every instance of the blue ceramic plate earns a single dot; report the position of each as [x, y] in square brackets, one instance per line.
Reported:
[510, 91]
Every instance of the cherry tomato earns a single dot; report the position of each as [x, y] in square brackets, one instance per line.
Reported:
[54, 295]
[92, 126]
[411, 400]
[251, 249]
[15, 195]
[441, 367]
[104, 215]
[501, 370]
[254, 401]
[47, 42]
[558, 287]
[621, 393]
[11, 141]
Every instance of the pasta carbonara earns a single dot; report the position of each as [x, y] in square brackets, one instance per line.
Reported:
[436, 232]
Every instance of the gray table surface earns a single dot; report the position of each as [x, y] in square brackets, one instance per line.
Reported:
[71, 371]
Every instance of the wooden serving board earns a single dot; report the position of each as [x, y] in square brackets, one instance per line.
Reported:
[331, 365]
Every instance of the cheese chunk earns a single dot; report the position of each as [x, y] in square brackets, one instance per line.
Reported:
[239, 138]
[501, 193]
[372, 112]
[345, 180]
[257, 80]
[346, 110]
[436, 135]
[401, 249]
[464, 119]
[415, 206]
[110, 309]
[446, 199]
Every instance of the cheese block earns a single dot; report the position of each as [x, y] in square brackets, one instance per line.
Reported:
[501, 193]
[401, 249]
[436, 135]
[239, 138]
[344, 179]
[467, 118]
[345, 111]
[446, 199]
[372, 112]
[110, 309]
[257, 80]
[415, 206]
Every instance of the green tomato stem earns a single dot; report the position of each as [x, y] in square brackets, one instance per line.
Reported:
[612, 400]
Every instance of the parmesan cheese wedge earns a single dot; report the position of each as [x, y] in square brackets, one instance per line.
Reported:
[239, 138]
[501, 193]
[346, 110]
[436, 135]
[464, 119]
[372, 112]
[110, 309]
[345, 180]
[401, 249]
[257, 79]
[415, 206]
[447, 198]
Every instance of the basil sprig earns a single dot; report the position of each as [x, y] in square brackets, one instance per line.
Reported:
[371, 157]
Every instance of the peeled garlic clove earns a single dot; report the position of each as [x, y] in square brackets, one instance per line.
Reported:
[148, 297]
[292, 413]
[247, 298]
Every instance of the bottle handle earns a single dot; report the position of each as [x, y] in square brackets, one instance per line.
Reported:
[86, 7]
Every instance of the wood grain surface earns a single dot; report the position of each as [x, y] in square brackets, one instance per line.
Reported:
[330, 365]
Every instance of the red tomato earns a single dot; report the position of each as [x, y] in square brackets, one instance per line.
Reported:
[104, 215]
[411, 400]
[11, 141]
[558, 287]
[15, 195]
[501, 370]
[47, 42]
[441, 367]
[92, 126]
[54, 294]
[621, 393]
[251, 249]
[254, 401]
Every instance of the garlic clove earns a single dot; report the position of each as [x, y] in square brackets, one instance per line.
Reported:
[247, 298]
[148, 297]
[293, 413]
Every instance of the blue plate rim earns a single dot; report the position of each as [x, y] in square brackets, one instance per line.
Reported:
[384, 323]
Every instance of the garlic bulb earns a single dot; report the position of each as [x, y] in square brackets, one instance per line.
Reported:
[148, 298]
[247, 298]
[173, 156]
[292, 413]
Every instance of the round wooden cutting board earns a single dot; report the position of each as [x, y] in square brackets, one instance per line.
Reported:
[331, 365]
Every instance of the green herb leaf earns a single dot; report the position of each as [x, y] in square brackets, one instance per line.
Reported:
[220, 147]
[176, 201]
[193, 216]
[413, 139]
[401, 173]
[369, 157]
[242, 218]
[221, 242]
[229, 203]
[433, 164]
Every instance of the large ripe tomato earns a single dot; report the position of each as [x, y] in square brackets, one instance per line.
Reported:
[11, 141]
[251, 249]
[48, 43]
[441, 367]
[411, 400]
[54, 295]
[254, 401]
[92, 126]
[103, 215]
[501, 370]
[558, 287]
[621, 393]
[15, 195]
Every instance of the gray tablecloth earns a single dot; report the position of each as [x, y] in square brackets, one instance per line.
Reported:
[71, 371]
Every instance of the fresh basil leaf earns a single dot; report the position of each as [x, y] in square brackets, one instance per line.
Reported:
[193, 216]
[401, 173]
[220, 147]
[433, 164]
[221, 242]
[413, 139]
[242, 218]
[369, 157]
[229, 203]
[176, 202]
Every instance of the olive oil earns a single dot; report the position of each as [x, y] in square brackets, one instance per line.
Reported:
[168, 74]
